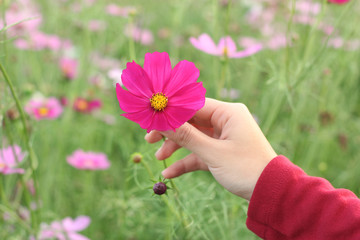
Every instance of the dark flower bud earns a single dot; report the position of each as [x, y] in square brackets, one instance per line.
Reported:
[136, 157]
[12, 114]
[159, 188]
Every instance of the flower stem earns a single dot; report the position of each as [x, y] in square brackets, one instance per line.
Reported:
[131, 39]
[32, 156]
[223, 76]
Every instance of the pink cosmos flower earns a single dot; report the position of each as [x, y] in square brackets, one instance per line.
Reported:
[115, 10]
[44, 108]
[115, 75]
[159, 97]
[9, 158]
[67, 229]
[338, 1]
[38, 41]
[69, 67]
[96, 25]
[19, 11]
[88, 160]
[225, 47]
[143, 36]
[86, 106]
[308, 7]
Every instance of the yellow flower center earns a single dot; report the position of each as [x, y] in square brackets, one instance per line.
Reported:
[158, 101]
[2, 165]
[82, 105]
[43, 111]
[225, 51]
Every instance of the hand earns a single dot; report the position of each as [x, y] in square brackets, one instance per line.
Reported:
[224, 139]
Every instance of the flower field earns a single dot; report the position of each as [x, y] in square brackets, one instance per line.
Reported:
[74, 164]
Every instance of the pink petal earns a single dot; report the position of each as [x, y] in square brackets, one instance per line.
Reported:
[247, 52]
[76, 236]
[160, 122]
[184, 73]
[129, 102]
[177, 116]
[205, 44]
[136, 80]
[8, 171]
[76, 225]
[191, 96]
[143, 118]
[158, 67]
[227, 43]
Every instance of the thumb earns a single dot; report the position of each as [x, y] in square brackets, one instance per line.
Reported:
[189, 137]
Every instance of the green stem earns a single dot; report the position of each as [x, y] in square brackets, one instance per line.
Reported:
[224, 69]
[147, 169]
[32, 156]
[13, 215]
[2, 191]
[131, 39]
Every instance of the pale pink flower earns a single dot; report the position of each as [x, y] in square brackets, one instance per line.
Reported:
[225, 47]
[115, 10]
[38, 41]
[19, 11]
[104, 63]
[276, 42]
[10, 157]
[352, 45]
[247, 42]
[86, 106]
[44, 108]
[143, 36]
[88, 160]
[67, 229]
[336, 42]
[96, 25]
[69, 67]
[308, 7]
[231, 93]
[115, 75]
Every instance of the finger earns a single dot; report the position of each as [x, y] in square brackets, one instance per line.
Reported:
[188, 164]
[192, 139]
[166, 150]
[153, 136]
[204, 115]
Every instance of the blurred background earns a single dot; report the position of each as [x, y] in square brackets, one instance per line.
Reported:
[67, 163]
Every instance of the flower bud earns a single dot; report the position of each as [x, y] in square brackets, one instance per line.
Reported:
[159, 188]
[136, 157]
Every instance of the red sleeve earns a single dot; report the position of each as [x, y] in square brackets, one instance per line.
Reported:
[288, 204]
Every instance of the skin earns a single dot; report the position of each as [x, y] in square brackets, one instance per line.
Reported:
[224, 139]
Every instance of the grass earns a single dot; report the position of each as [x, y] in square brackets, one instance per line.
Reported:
[306, 97]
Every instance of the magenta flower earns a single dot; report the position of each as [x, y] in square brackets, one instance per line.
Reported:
[88, 160]
[68, 67]
[159, 97]
[225, 47]
[338, 1]
[67, 229]
[44, 108]
[86, 106]
[10, 157]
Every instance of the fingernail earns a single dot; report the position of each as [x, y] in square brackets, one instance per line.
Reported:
[164, 172]
[157, 152]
